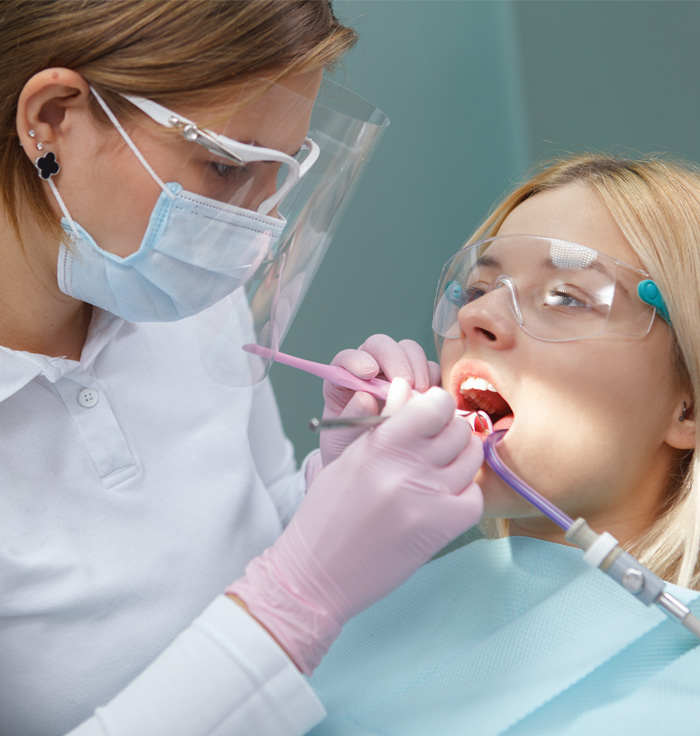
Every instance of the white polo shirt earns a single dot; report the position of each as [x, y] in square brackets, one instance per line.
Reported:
[133, 490]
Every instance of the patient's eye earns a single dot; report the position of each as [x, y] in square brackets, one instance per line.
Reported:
[460, 295]
[565, 296]
[474, 292]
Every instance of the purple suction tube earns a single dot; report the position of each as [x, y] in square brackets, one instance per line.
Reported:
[519, 485]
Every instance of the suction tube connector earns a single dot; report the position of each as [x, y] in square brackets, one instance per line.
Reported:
[603, 551]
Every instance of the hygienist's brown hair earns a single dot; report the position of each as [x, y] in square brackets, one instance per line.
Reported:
[178, 52]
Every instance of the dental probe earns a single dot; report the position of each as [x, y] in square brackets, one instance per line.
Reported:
[600, 550]
[316, 425]
[339, 376]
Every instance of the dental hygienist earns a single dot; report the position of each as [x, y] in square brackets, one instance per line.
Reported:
[170, 177]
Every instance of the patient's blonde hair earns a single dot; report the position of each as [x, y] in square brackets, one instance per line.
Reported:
[656, 203]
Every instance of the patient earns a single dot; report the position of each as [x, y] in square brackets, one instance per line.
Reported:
[514, 633]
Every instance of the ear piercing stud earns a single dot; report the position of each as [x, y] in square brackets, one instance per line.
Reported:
[46, 165]
[39, 144]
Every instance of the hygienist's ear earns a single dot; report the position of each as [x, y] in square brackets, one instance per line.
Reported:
[681, 430]
[43, 106]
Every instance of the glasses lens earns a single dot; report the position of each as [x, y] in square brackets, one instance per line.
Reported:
[558, 291]
[247, 185]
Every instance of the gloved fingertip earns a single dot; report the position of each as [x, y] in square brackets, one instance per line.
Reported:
[435, 373]
[399, 393]
[363, 366]
[366, 371]
[358, 362]
[361, 404]
[440, 398]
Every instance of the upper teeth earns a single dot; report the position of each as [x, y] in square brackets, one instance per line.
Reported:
[480, 384]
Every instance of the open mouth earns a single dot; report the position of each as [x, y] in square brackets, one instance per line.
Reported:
[477, 394]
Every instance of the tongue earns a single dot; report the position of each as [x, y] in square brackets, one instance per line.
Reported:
[504, 422]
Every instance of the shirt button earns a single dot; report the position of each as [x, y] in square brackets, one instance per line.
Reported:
[88, 397]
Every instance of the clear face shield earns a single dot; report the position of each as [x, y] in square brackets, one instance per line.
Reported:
[247, 203]
[556, 291]
[342, 130]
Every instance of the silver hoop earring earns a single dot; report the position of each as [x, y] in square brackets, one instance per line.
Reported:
[681, 418]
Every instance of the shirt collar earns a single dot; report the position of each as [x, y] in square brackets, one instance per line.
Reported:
[18, 367]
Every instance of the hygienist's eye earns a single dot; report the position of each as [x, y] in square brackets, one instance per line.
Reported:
[228, 172]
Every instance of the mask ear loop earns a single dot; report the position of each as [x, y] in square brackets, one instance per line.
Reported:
[50, 169]
[127, 139]
[48, 166]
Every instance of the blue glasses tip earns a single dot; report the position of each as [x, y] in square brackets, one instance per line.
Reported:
[650, 294]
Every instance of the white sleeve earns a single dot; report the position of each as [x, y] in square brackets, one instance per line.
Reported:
[223, 676]
[273, 454]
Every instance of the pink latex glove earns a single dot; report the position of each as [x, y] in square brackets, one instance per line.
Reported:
[381, 356]
[397, 496]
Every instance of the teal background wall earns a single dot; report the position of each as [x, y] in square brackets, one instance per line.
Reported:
[477, 91]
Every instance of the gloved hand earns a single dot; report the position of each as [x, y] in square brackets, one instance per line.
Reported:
[378, 355]
[396, 497]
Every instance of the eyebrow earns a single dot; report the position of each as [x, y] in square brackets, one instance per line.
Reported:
[486, 261]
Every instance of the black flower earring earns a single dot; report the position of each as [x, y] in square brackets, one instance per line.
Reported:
[47, 165]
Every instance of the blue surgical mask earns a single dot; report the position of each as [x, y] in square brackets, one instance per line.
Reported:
[195, 251]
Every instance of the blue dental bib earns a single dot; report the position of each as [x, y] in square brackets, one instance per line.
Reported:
[511, 636]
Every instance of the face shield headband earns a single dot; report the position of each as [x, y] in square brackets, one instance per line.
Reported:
[556, 291]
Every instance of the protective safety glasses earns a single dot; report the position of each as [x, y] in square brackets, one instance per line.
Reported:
[557, 291]
[243, 167]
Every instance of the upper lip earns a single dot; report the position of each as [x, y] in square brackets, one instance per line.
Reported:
[465, 369]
